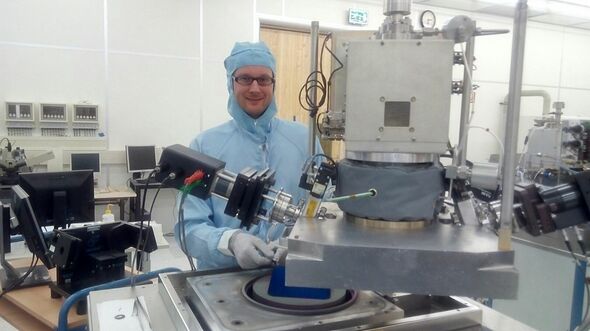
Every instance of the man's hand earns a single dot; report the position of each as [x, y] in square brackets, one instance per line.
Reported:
[280, 253]
[250, 251]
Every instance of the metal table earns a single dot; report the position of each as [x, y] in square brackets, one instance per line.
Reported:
[170, 311]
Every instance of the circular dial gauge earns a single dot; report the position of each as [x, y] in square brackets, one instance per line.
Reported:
[427, 19]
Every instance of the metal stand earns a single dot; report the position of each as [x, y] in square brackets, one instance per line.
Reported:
[578, 295]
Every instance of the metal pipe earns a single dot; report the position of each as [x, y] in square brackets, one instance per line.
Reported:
[511, 133]
[536, 93]
[371, 193]
[227, 176]
[315, 29]
[466, 100]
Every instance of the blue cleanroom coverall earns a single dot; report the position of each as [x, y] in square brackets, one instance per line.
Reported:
[265, 142]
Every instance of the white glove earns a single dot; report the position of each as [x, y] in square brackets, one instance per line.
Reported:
[280, 253]
[250, 251]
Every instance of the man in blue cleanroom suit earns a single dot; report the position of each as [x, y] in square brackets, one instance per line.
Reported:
[253, 138]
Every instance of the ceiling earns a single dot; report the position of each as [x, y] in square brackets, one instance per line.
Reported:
[571, 13]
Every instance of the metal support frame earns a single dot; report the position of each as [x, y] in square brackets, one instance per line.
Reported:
[315, 30]
[512, 117]
[466, 100]
[578, 294]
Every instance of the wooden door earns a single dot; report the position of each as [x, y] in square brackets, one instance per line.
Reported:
[292, 53]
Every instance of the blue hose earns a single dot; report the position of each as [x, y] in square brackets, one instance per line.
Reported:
[62, 324]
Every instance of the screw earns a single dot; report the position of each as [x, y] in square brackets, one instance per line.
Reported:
[382, 99]
[411, 129]
[413, 99]
[380, 129]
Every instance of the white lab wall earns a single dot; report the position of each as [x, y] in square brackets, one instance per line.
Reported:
[156, 68]
[224, 23]
[153, 71]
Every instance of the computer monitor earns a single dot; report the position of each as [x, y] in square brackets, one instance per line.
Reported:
[60, 198]
[140, 158]
[29, 227]
[24, 220]
[85, 161]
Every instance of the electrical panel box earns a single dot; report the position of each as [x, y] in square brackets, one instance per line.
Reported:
[85, 120]
[85, 114]
[53, 120]
[22, 112]
[56, 113]
[20, 119]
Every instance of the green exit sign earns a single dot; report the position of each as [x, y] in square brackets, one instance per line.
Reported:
[357, 16]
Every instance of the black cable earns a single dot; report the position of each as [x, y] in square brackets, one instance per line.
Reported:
[182, 233]
[22, 278]
[140, 262]
[321, 83]
[155, 196]
[340, 64]
[141, 219]
[324, 155]
[5, 138]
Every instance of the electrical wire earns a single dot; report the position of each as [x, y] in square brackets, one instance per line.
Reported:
[309, 162]
[139, 246]
[21, 279]
[155, 196]
[329, 85]
[5, 138]
[500, 144]
[182, 233]
[310, 85]
[140, 263]
[320, 83]
[190, 183]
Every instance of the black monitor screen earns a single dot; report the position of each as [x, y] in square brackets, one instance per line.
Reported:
[85, 161]
[60, 198]
[141, 158]
[29, 227]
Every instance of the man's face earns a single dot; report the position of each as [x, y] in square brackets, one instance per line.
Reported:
[255, 97]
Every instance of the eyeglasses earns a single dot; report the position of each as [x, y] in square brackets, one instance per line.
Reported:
[247, 80]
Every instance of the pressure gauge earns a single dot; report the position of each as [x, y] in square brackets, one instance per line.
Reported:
[427, 19]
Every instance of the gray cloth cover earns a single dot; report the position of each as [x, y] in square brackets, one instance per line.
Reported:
[404, 191]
